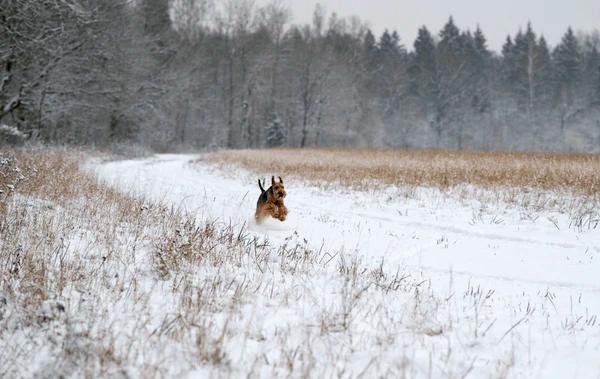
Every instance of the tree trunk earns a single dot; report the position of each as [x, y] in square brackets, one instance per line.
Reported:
[304, 126]
[230, 129]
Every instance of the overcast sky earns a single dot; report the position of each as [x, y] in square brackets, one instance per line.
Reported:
[497, 18]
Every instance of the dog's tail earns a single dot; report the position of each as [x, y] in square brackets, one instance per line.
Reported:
[261, 186]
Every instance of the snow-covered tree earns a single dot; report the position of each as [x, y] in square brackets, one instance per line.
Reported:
[275, 135]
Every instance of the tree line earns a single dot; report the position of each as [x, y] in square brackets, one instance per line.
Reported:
[201, 73]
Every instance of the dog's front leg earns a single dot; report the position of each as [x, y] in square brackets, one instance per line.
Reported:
[283, 212]
[273, 210]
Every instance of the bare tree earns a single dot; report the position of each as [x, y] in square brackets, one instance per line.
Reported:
[36, 37]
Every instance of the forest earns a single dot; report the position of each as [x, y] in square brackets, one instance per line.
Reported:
[204, 74]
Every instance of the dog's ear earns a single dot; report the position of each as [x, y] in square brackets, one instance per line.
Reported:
[280, 180]
[272, 180]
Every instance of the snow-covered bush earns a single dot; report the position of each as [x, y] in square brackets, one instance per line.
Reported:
[9, 135]
[275, 132]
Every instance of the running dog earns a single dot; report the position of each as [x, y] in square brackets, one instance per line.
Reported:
[270, 201]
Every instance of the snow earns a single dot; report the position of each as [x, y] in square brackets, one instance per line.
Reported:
[520, 288]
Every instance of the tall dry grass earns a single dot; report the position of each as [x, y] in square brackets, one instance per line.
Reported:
[69, 256]
[360, 168]
[55, 175]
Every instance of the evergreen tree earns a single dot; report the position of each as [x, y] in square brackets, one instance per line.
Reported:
[370, 45]
[509, 63]
[390, 47]
[567, 63]
[590, 75]
[567, 58]
[451, 46]
[391, 82]
[450, 34]
[519, 56]
[525, 68]
[370, 62]
[386, 43]
[275, 136]
[396, 41]
[371, 53]
[453, 82]
[479, 57]
[423, 65]
[481, 44]
[545, 87]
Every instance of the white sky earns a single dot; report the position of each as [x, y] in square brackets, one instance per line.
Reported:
[496, 18]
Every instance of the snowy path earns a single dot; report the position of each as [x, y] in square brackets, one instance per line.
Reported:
[431, 234]
[529, 261]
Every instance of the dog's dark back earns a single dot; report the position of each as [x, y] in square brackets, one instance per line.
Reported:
[265, 194]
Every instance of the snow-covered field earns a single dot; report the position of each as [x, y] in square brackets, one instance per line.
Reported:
[423, 286]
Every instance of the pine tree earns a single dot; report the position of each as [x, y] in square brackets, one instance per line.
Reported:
[481, 44]
[369, 43]
[590, 75]
[450, 49]
[370, 64]
[423, 65]
[507, 48]
[386, 43]
[567, 63]
[451, 46]
[390, 49]
[508, 62]
[370, 54]
[545, 87]
[479, 56]
[450, 35]
[519, 56]
[453, 82]
[525, 68]
[567, 58]
[389, 80]
[396, 42]
[275, 136]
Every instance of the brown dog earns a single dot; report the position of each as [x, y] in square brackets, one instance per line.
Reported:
[270, 202]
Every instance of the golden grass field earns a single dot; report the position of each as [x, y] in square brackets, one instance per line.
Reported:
[357, 168]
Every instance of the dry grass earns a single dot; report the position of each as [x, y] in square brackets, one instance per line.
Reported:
[68, 247]
[51, 202]
[358, 168]
[55, 175]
